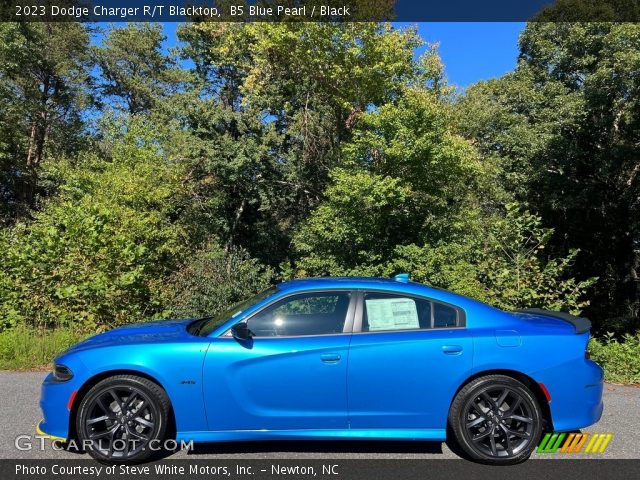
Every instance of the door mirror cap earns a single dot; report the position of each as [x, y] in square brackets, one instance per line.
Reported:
[240, 331]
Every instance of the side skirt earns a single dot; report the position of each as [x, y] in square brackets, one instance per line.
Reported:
[363, 434]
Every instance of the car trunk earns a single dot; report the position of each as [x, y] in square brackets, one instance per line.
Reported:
[580, 324]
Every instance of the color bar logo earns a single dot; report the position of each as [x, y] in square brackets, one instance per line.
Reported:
[574, 443]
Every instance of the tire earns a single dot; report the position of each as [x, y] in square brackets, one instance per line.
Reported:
[496, 420]
[119, 417]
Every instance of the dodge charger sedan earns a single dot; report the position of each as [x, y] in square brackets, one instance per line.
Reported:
[330, 358]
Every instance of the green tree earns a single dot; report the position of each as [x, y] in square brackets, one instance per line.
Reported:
[211, 280]
[565, 127]
[291, 94]
[357, 228]
[502, 261]
[409, 177]
[43, 91]
[417, 197]
[92, 256]
[133, 68]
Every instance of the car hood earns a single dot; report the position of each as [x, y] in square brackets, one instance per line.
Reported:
[161, 331]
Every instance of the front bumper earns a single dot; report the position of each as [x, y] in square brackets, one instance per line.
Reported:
[42, 433]
[54, 403]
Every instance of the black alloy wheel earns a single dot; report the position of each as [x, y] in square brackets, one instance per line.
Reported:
[496, 420]
[123, 419]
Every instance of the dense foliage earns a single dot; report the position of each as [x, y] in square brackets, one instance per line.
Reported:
[211, 280]
[137, 183]
[44, 89]
[91, 255]
[565, 129]
[619, 357]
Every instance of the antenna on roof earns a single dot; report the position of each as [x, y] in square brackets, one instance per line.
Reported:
[402, 277]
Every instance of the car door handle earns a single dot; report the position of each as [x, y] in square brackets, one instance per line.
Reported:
[330, 357]
[451, 349]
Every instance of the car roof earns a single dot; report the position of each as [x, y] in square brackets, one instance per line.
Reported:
[386, 284]
[336, 282]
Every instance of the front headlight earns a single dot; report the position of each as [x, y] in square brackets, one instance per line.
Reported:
[62, 373]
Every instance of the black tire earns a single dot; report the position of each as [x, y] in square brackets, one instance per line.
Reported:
[119, 417]
[496, 420]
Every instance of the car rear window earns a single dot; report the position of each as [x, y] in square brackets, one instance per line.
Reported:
[388, 312]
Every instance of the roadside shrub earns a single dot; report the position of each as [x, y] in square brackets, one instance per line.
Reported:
[88, 259]
[619, 358]
[498, 259]
[212, 280]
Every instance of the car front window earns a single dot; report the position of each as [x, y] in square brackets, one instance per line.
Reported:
[210, 324]
[314, 313]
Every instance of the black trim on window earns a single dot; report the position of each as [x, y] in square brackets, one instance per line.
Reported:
[461, 320]
[348, 323]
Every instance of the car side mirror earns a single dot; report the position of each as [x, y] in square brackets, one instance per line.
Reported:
[240, 331]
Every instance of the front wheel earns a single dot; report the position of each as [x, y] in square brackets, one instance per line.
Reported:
[496, 420]
[123, 419]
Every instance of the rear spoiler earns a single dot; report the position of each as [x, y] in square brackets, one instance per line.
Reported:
[581, 324]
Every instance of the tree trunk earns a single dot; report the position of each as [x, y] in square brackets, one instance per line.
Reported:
[37, 142]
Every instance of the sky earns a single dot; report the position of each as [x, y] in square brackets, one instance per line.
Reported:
[474, 51]
[469, 51]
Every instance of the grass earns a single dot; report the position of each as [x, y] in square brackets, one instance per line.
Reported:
[23, 349]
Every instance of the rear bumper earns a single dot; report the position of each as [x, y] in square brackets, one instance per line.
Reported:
[576, 394]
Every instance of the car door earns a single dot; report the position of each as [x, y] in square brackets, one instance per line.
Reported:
[407, 358]
[291, 374]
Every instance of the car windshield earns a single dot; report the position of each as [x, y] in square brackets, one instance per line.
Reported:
[210, 324]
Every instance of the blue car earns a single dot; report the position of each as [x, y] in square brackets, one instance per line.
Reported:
[326, 359]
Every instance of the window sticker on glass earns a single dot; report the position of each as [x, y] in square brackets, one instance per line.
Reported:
[392, 314]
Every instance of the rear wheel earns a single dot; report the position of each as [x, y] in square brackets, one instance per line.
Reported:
[496, 420]
[121, 418]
